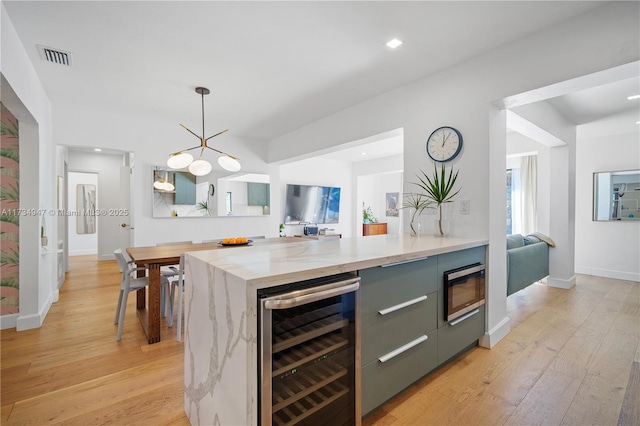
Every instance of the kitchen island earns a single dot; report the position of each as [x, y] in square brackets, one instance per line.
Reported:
[221, 322]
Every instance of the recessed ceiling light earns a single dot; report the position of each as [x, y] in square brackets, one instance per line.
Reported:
[363, 153]
[633, 97]
[394, 43]
[637, 122]
[97, 149]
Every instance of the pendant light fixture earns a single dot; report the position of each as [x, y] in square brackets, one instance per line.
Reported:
[162, 182]
[200, 167]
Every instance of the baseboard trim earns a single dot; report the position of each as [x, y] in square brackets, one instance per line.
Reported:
[608, 273]
[8, 321]
[497, 333]
[27, 322]
[561, 282]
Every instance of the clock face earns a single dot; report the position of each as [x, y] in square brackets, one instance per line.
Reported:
[444, 144]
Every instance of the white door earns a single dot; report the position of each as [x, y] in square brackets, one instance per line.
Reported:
[126, 228]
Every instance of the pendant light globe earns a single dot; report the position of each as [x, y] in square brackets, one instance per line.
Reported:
[200, 168]
[228, 163]
[179, 161]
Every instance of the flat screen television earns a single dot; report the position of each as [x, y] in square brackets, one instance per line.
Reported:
[311, 204]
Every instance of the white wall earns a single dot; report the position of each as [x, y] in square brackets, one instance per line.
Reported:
[24, 96]
[80, 244]
[607, 249]
[462, 97]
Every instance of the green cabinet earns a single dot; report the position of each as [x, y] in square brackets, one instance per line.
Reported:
[185, 184]
[403, 332]
[398, 327]
[257, 194]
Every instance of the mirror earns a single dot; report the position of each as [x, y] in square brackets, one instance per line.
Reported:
[86, 203]
[239, 194]
[616, 195]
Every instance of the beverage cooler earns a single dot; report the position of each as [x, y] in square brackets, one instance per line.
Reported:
[309, 339]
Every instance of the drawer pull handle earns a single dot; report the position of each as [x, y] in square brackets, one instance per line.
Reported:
[464, 317]
[404, 348]
[402, 305]
[402, 262]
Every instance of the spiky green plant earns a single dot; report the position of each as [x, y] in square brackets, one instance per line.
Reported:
[417, 203]
[439, 188]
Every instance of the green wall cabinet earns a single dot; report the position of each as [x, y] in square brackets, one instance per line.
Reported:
[257, 194]
[185, 184]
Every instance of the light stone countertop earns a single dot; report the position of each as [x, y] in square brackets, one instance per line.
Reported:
[262, 264]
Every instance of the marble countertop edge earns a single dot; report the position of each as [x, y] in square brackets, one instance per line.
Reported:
[264, 265]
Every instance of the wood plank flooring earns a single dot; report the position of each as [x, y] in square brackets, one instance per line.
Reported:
[572, 357]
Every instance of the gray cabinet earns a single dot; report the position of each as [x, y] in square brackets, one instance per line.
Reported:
[403, 331]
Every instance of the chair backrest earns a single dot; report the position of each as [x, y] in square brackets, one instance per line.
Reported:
[173, 243]
[122, 262]
[257, 237]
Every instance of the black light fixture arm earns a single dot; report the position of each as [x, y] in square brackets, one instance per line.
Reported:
[203, 142]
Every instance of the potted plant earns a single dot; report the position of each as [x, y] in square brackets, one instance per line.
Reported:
[204, 205]
[439, 189]
[416, 202]
[43, 238]
[367, 215]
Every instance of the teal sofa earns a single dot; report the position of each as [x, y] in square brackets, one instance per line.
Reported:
[527, 261]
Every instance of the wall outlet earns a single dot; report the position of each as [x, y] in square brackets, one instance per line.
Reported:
[465, 207]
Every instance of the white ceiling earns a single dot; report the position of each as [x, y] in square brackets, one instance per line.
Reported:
[272, 67]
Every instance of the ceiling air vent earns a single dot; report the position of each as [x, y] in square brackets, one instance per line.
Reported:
[55, 56]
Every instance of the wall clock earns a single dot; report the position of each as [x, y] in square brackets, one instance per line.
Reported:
[444, 144]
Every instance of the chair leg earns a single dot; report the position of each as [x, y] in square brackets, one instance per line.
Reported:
[180, 292]
[171, 294]
[163, 300]
[115, 320]
[123, 308]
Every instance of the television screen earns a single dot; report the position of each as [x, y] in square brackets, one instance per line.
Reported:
[311, 204]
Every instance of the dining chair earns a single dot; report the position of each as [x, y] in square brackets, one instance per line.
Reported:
[177, 284]
[171, 274]
[129, 284]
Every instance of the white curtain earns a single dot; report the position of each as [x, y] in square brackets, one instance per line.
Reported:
[529, 193]
[516, 202]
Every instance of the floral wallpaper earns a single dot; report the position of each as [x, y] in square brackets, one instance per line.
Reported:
[9, 205]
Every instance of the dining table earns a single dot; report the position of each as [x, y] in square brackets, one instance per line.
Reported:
[154, 257]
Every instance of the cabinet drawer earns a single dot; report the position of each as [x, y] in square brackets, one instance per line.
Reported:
[454, 338]
[399, 323]
[383, 380]
[388, 286]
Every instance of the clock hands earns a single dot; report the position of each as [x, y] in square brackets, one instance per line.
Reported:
[445, 139]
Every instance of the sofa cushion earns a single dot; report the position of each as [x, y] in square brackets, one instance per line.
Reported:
[514, 241]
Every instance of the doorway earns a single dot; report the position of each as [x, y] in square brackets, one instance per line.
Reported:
[110, 227]
[82, 190]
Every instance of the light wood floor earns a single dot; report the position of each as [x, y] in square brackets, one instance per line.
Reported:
[572, 357]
